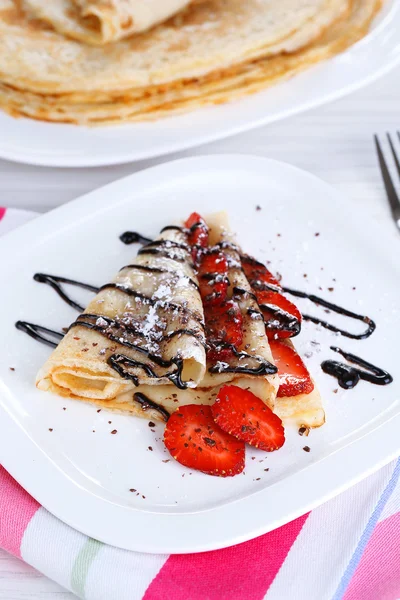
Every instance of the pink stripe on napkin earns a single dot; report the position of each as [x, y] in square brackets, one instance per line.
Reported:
[243, 572]
[17, 509]
[2, 212]
[378, 574]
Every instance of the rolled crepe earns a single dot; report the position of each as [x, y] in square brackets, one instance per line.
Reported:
[146, 327]
[100, 22]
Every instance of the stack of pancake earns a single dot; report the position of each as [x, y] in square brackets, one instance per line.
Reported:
[112, 61]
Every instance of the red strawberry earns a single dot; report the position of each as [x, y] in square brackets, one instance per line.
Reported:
[224, 323]
[242, 414]
[257, 272]
[198, 233]
[293, 374]
[195, 441]
[213, 277]
[282, 317]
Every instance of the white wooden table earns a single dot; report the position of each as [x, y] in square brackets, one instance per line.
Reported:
[333, 142]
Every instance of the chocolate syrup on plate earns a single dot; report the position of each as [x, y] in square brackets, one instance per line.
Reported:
[371, 326]
[133, 237]
[37, 331]
[348, 376]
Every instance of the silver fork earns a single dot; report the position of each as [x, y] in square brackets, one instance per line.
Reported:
[392, 195]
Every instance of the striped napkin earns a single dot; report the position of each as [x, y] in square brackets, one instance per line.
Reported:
[346, 549]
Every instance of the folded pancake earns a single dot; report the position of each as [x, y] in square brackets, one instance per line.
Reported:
[223, 85]
[100, 22]
[143, 352]
[144, 328]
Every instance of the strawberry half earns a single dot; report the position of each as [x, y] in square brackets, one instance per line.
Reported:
[198, 233]
[257, 272]
[282, 317]
[213, 277]
[195, 441]
[243, 415]
[293, 374]
[224, 323]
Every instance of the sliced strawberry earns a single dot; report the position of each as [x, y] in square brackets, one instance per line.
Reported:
[243, 415]
[293, 374]
[194, 440]
[257, 272]
[224, 324]
[282, 317]
[198, 233]
[213, 277]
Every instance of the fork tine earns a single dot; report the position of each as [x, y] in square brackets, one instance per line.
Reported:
[396, 160]
[390, 189]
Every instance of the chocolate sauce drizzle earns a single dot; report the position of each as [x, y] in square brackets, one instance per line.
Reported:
[122, 364]
[263, 367]
[147, 404]
[35, 331]
[337, 309]
[348, 376]
[133, 237]
[54, 282]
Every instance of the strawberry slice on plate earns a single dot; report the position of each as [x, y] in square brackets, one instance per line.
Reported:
[282, 317]
[194, 440]
[243, 415]
[213, 277]
[294, 376]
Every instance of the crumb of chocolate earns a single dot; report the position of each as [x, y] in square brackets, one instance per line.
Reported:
[12, 368]
[333, 279]
[109, 422]
[304, 430]
[150, 448]
[144, 497]
[253, 458]
[354, 288]
[114, 431]
[317, 234]
[331, 289]
[183, 474]
[166, 461]
[327, 311]
[320, 288]
[94, 344]
[132, 490]
[305, 275]
[278, 235]
[258, 479]
[308, 354]
[76, 338]
[336, 391]
[99, 410]
[85, 349]
[306, 448]
[93, 431]
[266, 470]
[258, 207]
[151, 424]
[50, 429]
[64, 408]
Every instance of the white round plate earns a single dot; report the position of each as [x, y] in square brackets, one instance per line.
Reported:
[28, 141]
[68, 459]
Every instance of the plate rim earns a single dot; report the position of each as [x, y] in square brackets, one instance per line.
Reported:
[82, 509]
[230, 129]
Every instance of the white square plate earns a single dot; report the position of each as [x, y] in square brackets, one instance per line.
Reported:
[82, 473]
